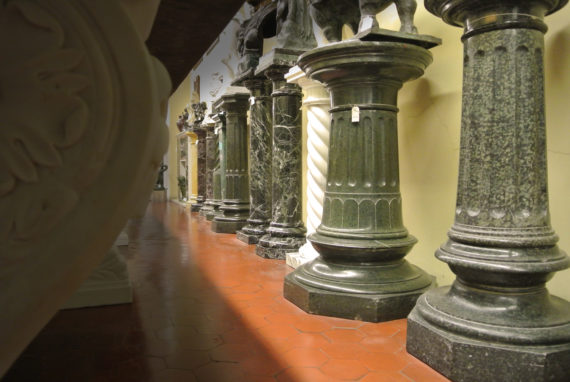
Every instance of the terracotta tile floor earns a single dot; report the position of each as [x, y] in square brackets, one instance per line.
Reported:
[208, 309]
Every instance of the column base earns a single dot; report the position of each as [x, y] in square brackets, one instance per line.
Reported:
[223, 225]
[215, 211]
[212, 214]
[247, 238]
[522, 336]
[277, 247]
[306, 253]
[208, 208]
[367, 292]
[196, 207]
[252, 233]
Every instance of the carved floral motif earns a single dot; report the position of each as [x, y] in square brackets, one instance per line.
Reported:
[42, 75]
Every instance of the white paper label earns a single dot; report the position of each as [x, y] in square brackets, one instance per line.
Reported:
[355, 114]
[252, 100]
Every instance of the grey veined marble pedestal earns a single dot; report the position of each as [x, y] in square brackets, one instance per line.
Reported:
[497, 322]
[361, 273]
[286, 232]
[260, 152]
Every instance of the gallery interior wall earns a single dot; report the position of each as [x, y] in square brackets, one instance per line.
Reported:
[429, 127]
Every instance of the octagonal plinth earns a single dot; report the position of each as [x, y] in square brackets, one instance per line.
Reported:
[481, 336]
[361, 273]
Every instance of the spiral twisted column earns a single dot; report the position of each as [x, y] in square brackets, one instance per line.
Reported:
[316, 102]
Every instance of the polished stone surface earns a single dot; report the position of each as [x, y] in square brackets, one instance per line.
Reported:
[207, 309]
[361, 272]
[235, 203]
[260, 154]
[286, 232]
[498, 317]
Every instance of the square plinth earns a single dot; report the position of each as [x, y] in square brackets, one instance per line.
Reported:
[196, 207]
[247, 238]
[463, 359]
[222, 226]
[363, 307]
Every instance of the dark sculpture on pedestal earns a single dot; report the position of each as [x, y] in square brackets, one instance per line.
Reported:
[182, 122]
[359, 15]
[250, 38]
[286, 232]
[361, 272]
[159, 186]
[235, 204]
[497, 320]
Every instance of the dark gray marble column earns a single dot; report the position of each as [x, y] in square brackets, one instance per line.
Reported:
[219, 178]
[497, 321]
[235, 204]
[211, 157]
[286, 232]
[260, 152]
[361, 272]
[201, 147]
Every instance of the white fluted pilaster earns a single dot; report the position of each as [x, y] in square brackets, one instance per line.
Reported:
[316, 102]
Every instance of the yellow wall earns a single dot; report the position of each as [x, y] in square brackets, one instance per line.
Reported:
[177, 102]
[429, 123]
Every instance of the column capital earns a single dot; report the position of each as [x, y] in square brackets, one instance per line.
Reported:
[314, 92]
[486, 15]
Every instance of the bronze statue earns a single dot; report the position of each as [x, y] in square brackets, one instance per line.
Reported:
[331, 15]
[182, 122]
[370, 8]
[159, 186]
[294, 26]
[360, 15]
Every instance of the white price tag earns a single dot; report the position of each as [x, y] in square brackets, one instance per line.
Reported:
[252, 100]
[355, 114]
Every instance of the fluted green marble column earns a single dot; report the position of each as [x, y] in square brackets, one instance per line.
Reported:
[361, 272]
[497, 321]
[235, 204]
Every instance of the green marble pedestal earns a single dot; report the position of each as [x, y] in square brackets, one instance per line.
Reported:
[497, 321]
[361, 272]
[235, 204]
